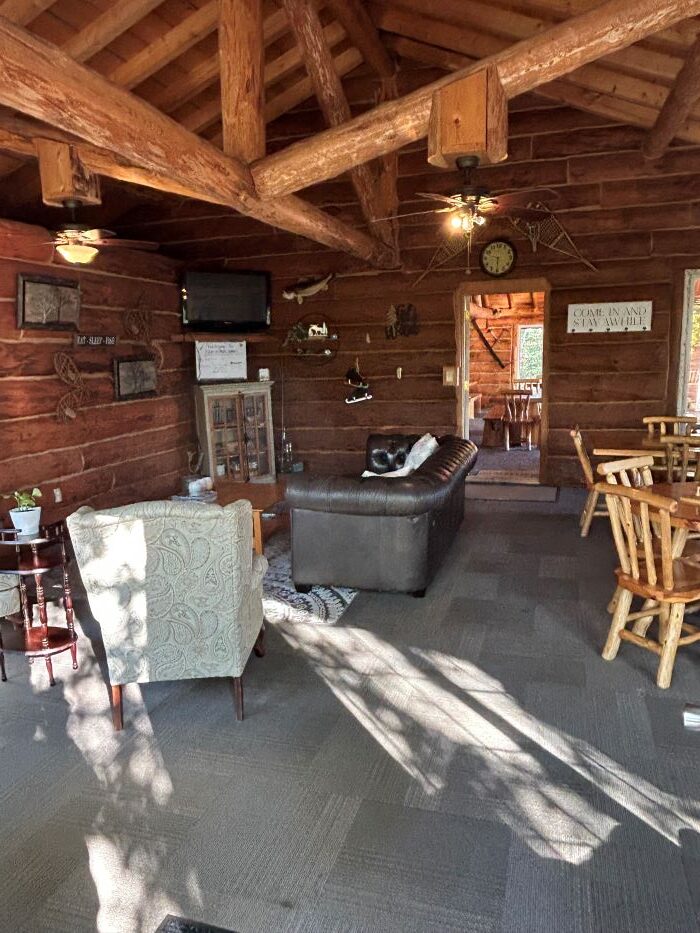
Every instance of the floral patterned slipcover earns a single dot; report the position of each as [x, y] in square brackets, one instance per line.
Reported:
[175, 587]
[9, 594]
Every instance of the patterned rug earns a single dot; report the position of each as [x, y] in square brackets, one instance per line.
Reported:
[282, 603]
[172, 924]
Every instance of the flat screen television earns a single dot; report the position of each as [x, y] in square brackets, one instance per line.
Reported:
[226, 301]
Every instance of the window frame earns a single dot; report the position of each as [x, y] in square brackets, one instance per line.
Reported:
[518, 343]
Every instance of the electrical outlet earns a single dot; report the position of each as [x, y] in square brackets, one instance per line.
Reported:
[57, 495]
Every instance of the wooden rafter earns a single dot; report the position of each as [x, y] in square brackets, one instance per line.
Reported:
[242, 60]
[22, 12]
[562, 91]
[677, 106]
[356, 21]
[523, 67]
[334, 105]
[105, 28]
[38, 79]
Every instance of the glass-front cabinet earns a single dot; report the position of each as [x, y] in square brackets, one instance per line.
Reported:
[234, 426]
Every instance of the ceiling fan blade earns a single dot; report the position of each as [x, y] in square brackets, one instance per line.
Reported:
[438, 210]
[126, 244]
[437, 197]
[525, 213]
[528, 195]
[96, 234]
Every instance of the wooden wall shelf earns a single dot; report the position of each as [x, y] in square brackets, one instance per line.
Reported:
[191, 337]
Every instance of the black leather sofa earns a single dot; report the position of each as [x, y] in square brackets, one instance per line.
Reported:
[379, 533]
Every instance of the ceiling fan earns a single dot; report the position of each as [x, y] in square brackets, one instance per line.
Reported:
[473, 205]
[77, 243]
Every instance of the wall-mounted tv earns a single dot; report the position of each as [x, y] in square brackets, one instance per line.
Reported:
[226, 301]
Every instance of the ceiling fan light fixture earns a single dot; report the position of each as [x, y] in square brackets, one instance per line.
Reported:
[77, 253]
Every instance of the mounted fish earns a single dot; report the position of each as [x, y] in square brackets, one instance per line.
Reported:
[307, 288]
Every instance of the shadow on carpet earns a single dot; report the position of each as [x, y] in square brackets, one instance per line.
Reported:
[282, 603]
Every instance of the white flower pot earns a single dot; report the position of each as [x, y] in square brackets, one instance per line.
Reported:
[26, 521]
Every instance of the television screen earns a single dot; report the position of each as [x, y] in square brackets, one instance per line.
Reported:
[226, 301]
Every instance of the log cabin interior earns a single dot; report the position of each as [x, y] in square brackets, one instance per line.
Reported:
[349, 348]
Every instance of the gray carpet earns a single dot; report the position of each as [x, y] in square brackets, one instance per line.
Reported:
[466, 762]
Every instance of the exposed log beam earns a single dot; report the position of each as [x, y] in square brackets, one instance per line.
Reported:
[275, 70]
[38, 79]
[102, 30]
[170, 45]
[523, 67]
[22, 12]
[561, 90]
[242, 62]
[363, 34]
[677, 106]
[199, 77]
[308, 31]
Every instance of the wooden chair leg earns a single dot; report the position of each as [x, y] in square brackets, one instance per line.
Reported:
[670, 646]
[588, 510]
[641, 626]
[506, 435]
[260, 647]
[613, 601]
[619, 620]
[117, 707]
[238, 697]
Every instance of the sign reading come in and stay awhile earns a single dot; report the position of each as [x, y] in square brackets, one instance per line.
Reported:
[609, 317]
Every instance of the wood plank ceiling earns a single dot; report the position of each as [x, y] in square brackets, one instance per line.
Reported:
[166, 52]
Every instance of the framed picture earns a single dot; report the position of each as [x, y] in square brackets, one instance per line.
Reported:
[47, 303]
[135, 377]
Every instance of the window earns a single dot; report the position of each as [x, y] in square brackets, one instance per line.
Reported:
[529, 357]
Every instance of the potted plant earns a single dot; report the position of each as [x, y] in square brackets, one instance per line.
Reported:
[27, 514]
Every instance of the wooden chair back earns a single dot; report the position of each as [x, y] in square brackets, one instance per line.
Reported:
[682, 458]
[660, 425]
[583, 456]
[634, 530]
[633, 471]
[517, 405]
[533, 386]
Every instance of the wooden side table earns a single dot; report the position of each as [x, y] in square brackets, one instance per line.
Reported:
[25, 556]
[262, 496]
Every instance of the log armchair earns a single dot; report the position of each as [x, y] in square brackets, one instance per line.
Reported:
[590, 509]
[175, 588]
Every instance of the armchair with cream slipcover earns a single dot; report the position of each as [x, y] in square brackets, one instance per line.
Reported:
[175, 588]
[9, 604]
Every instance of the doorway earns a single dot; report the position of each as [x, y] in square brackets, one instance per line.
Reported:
[688, 397]
[502, 394]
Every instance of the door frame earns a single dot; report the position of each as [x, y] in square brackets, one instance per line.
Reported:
[689, 279]
[500, 287]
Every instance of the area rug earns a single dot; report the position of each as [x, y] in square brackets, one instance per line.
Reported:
[282, 603]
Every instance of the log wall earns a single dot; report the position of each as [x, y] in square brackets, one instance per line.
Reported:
[113, 452]
[638, 222]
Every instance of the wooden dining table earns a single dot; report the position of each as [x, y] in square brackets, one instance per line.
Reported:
[641, 444]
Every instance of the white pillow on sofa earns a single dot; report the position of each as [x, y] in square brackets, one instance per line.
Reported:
[423, 448]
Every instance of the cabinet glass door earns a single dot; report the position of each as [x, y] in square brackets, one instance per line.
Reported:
[254, 412]
[228, 457]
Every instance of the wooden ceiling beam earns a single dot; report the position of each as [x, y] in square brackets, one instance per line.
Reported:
[328, 88]
[169, 46]
[22, 12]
[106, 27]
[275, 70]
[242, 61]
[38, 79]
[200, 76]
[523, 67]
[356, 21]
[561, 90]
[677, 107]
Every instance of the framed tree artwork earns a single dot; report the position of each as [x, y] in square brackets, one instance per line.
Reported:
[47, 303]
[135, 377]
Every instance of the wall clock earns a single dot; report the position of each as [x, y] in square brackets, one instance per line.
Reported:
[498, 257]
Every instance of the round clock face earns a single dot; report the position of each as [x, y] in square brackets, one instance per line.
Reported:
[497, 257]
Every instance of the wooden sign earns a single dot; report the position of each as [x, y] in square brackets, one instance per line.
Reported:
[95, 340]
[220, 360]
[609, 317]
